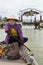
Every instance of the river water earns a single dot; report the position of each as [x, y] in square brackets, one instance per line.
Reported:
[35, 42]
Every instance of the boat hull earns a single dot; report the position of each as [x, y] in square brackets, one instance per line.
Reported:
[18, 61]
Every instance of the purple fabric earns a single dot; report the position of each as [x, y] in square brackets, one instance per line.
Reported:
[18, 29]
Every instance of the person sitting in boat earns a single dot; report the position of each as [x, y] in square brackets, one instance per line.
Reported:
[14, 34]
[13, 30]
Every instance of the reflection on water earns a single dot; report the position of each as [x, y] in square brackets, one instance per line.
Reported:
[35, 42]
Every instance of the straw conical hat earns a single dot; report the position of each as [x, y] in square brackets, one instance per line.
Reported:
[12, 18]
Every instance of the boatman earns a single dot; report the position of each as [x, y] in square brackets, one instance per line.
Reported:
[14, 34]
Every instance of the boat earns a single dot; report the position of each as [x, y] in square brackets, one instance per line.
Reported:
[18, 61]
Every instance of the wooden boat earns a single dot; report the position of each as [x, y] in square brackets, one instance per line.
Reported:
[18, 61]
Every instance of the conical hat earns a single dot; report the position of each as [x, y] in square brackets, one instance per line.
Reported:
[12, 18]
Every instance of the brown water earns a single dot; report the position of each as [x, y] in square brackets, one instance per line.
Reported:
[35, 42]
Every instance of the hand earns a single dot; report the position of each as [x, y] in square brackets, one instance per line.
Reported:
[6, 31]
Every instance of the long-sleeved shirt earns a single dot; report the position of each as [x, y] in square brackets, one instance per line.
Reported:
[8, 28]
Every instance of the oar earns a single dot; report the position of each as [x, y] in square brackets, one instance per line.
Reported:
[27, 47]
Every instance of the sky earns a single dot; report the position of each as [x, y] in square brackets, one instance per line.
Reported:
[12, 7]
